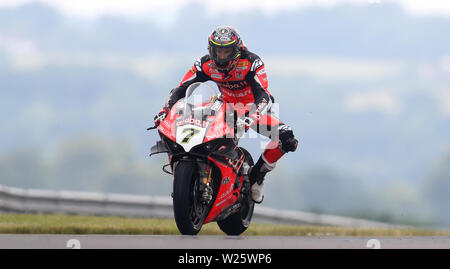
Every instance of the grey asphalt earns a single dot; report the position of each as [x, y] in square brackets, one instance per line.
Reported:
[51, 241]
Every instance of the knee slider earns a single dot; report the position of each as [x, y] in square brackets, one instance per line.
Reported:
[287, 140]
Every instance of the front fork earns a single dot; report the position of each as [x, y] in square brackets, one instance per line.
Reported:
[205, 177]
[245, 172]
[205, 184]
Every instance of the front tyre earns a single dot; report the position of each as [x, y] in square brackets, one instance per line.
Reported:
[188, 211]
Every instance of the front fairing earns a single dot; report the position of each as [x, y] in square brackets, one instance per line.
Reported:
[193, 123]
[196, 119]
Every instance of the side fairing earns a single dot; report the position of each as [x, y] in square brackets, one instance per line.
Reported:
[229, 190]
[167, 126]
[194, 126]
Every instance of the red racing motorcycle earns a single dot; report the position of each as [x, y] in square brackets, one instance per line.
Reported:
[210, 172]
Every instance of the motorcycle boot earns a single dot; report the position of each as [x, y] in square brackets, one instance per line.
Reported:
[256, 175]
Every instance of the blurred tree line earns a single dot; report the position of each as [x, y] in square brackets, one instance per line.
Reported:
[86, 164]
[436, 190]
[91, 163]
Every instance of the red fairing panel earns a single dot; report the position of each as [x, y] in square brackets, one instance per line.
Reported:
[167, 126]
[227, 195]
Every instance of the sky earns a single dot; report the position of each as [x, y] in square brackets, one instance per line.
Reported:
[168, 9]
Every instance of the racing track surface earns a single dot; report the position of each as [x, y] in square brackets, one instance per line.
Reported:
[51, 241]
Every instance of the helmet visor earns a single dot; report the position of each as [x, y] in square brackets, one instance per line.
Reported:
[223, 56]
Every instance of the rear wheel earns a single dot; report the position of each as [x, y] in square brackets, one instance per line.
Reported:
[188, 211]
[237, 223]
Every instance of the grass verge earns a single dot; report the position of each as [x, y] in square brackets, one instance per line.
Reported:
[76, 224]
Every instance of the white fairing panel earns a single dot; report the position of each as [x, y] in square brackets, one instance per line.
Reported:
[190, 136]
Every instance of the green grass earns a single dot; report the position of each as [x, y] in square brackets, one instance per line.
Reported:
[76, 224]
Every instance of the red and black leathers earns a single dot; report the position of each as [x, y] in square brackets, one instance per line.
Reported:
[245, 84]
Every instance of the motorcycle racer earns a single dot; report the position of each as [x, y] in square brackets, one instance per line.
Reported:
[241, 77]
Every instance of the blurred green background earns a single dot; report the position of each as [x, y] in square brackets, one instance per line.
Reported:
[364, 84]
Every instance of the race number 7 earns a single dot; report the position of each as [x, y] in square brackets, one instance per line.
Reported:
[190, 133]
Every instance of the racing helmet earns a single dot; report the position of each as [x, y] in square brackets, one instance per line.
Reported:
[225, 40]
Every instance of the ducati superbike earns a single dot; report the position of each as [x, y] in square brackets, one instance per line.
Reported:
[210, 172]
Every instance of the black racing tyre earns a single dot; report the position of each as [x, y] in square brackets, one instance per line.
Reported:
[189, 213]
[237, 223]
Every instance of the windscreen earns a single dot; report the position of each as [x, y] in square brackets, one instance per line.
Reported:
[202, 93]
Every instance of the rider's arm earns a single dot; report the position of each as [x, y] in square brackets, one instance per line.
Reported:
[259, 84]
[195, 74]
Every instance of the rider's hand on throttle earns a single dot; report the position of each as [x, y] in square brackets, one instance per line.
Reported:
[161, 116]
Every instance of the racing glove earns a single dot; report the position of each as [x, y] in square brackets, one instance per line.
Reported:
[247, 121]
[161, 116]
[287, 140]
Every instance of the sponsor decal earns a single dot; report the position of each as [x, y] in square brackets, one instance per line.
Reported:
[215, 135]
[217, 76]
[226, 193]
[261, 72]
[242, 64]
[220, 203]
[225, 180]
[166, 123]
[237, 95]
[193, 121]
[165, 132]
[261, 105]
[262, 76]
[220, 133]
[241, 68]
[237, 85]
[239, 75]
[217, 127]
[256, 64]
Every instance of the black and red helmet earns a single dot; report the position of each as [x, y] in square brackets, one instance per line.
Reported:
[225, 37]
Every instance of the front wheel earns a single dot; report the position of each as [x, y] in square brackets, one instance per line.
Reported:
[188, 211]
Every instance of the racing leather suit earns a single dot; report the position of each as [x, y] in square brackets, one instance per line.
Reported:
[246, 84]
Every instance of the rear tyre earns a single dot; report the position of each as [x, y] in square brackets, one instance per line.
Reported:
[237, 223]
[189, 213]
